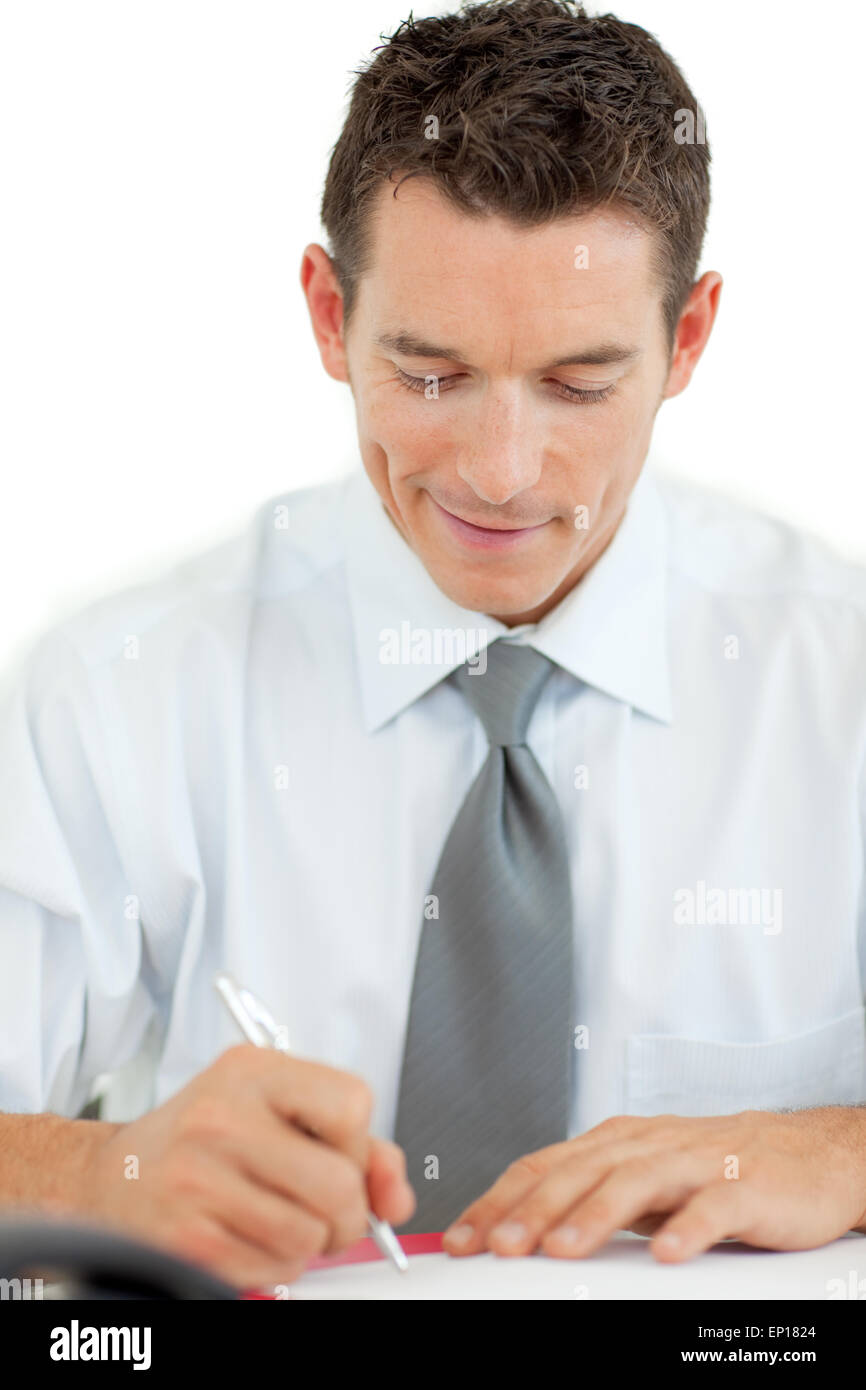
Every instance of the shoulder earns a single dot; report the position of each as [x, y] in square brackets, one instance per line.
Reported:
[284, 546]
[731, 548]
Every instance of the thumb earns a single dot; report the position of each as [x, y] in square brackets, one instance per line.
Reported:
[391, 1197]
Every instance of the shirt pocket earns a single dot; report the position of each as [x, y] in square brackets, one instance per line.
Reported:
[687, 1076]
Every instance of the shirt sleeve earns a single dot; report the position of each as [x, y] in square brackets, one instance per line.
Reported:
[861, 923]
[73, 999]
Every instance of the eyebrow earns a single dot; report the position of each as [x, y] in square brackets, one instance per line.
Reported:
[407, 345]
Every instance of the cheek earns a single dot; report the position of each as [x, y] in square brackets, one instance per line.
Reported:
[589, 443]
[408, 432]
[609, 450]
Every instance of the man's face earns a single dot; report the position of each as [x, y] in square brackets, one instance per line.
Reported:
[509, 473]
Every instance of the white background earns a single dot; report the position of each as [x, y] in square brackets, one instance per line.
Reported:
[161, 166]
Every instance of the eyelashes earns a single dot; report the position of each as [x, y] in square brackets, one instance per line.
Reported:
[578, 394]
[420, 383]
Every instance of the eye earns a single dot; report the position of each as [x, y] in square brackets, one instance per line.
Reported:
[581, 395]
[578, 394]
[420, 383]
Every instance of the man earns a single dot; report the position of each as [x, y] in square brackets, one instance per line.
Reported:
[525, 787]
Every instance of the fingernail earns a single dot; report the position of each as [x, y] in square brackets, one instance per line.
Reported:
[566, 1235]
[670, 1240]
[459, 1235]
[509, 1233]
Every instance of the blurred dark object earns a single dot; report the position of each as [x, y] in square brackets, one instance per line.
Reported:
[94, 1264]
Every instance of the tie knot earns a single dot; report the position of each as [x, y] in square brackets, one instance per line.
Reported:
[503, 694]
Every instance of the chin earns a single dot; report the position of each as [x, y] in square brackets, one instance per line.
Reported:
[501, 600]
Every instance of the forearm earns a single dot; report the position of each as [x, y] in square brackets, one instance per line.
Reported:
[44, 1160]
[848, 1122]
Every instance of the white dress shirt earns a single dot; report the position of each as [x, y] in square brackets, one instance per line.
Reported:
[227, 768]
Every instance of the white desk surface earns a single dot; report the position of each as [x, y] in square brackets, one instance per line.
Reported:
[623, 1269]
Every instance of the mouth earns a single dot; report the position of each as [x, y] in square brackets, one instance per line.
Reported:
[485, 537]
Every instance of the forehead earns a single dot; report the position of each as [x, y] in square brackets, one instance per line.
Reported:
[485, 280]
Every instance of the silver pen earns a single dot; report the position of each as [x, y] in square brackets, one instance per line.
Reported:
[258, 1027]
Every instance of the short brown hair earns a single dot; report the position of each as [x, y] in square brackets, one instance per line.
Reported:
[542, 111]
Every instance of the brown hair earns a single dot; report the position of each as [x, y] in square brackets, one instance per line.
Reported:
[542, 111]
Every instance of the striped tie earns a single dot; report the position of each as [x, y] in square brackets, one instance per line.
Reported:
[487, 1061]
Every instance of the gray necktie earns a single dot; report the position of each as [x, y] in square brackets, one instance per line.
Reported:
[487, 1060]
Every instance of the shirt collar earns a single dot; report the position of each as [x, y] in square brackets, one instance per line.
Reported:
[610, 631]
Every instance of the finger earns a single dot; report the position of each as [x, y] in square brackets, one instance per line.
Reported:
[271, 1225]
[714, 1213]
[306, 1171]
[638, 1186]
[208, 1243]
[614, 1139]
[468, 1234]
[334, 1105]
[390, 1195]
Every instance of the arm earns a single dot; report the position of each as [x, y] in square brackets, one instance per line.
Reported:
[226, 1173]
[27, 1180]
[73, 999]
[853, 1121]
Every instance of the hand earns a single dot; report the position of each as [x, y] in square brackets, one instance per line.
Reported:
[227, 1172]
[784, 1182]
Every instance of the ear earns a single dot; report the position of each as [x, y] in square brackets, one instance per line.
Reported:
[693, 331]
[325, 303]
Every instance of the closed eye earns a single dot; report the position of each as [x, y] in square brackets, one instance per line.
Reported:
[421, 383]
[578, 394]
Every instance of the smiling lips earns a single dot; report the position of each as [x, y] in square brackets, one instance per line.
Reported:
[486, 537]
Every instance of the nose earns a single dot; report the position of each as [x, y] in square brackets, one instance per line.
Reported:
[502, 457]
